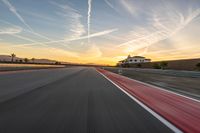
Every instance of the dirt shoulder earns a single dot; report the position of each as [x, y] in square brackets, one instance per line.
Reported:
[17, 67]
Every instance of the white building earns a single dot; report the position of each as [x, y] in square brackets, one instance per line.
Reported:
[134, 60]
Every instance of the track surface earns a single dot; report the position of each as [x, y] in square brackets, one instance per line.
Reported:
[73, 100]
[182, 111]
[183, 82]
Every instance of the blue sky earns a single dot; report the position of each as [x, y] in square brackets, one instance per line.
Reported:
[100, 31]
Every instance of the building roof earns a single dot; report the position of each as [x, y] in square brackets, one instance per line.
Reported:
[137, 57]
[129, 57]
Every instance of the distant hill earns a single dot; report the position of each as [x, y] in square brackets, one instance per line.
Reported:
[7, 58]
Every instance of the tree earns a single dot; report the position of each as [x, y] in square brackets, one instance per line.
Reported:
[126, 65]
[33, 60]
[57, 63]
[118, 65]
[139, 65]
[163, 64]
[26, 60]
[198, 66]
[12, 57]
[156, 66]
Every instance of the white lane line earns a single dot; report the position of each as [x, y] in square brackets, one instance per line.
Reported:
[196, 100]
[160, 118]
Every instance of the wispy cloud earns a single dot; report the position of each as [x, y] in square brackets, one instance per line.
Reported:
[14, 30]
[41, 16]
[112, 6]
[122, 5]
[128, 6]
[72, 16]
[94, 34]
[105, 32]
[109, 4]
[89, 17]
[10, 31]
[171, 50]
[63, 6]
[102, 33]
[15, 12]
[27, 39]
[160, 29]
[92, 53]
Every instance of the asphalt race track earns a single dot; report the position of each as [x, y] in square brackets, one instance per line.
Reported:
[71, 100]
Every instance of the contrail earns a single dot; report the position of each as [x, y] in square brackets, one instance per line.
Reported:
[10, 31]
[109, 4]
[102, 33]
[15, 12]
[89, 17]
[163, 32]
[15, 32]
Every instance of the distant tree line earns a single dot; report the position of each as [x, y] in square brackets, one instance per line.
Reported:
[162, 65]
[25, 60]
[198, 66]
[156, 65]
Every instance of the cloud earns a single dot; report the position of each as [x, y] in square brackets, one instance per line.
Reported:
[25, 38]
[97, 34]
[163, 25]
[89, 17]
[15, 12]
[112, 6]
[125, 5]
[77, 27]
[128, 6]
[63, 6]
[109, 4]
[62, 52]
[40, 16]
[102, 33]
[13, 30]
[72, 15]
[38, 34]
[171, 50]
[92, 53]
[10, 31]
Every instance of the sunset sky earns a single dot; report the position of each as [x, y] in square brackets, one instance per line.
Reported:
[100, 31]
